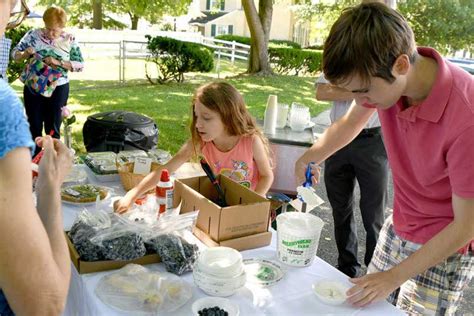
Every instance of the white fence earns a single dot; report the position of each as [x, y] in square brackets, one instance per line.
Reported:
[124, 51]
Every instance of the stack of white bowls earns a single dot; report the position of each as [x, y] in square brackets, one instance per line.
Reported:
[219, 271]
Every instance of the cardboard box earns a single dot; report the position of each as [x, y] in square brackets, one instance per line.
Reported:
[96, 266]
[242, 243]
[248, 213]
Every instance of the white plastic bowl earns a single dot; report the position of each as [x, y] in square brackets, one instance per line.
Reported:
[216, 286]
[330, 292]
[222, 262]
[206, 302]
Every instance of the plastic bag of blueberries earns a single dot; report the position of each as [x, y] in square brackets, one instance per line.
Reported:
[84, 228]
[177, 254]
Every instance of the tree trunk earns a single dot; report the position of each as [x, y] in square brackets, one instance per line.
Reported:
[135, 19]
[259, 25]
[97, 14]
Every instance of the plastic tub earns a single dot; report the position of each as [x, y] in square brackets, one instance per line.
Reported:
[298, 238]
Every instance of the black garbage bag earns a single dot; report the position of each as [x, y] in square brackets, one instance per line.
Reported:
[119, 130]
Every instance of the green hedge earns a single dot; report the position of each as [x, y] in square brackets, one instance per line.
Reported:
[173, 58]
[246, 40]
[15, 68]
[286, 57]
[295, 61]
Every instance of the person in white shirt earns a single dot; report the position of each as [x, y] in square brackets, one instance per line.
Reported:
[365, 160]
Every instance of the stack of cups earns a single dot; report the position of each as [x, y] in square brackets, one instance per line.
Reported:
[270, 120]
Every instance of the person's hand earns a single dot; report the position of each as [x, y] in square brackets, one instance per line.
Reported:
[53, 62]
[372, 288]
[123, 204]
[300, 172]
[55, 163]
[30, 51]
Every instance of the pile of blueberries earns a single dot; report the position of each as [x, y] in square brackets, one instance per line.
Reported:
[213, 311]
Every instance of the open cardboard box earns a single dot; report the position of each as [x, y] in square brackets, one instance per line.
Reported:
[241, 225]
[105, 265]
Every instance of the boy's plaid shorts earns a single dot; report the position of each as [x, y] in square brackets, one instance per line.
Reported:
[437, 291]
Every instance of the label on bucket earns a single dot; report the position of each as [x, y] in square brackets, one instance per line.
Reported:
[298, 238]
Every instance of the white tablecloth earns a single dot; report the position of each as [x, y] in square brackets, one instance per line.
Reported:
[291, 296]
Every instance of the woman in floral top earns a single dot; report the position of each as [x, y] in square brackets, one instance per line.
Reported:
[48, 46]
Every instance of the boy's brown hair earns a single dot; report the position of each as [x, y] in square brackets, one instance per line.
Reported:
[365, 41]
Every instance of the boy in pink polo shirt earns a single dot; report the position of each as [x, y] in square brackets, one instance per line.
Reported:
[424, 256]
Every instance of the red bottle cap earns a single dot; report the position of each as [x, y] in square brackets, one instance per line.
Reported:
[165, 175]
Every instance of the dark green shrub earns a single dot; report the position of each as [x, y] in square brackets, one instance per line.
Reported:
[246, 40]
[173, 58]
[15, 68]
[295, 61]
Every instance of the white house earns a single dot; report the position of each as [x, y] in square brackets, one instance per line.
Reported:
[228, 17]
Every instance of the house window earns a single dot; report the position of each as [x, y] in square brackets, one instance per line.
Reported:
[221, 29]
[215, 5]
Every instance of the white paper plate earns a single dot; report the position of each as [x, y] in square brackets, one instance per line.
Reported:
[262, 272]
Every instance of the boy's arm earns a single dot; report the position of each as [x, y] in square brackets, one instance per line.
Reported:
[338, 135]
[263, 164]
[377, 286]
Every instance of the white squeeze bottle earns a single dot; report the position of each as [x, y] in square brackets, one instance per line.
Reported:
[164, 192]
[270, 120]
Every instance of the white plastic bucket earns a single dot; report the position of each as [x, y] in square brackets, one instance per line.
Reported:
[298, 238]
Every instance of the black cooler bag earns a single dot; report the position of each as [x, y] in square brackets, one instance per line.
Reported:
[119, 130]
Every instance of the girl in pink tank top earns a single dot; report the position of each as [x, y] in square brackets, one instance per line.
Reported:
[226, 134]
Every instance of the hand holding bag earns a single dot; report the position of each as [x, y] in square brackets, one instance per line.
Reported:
[40, 77]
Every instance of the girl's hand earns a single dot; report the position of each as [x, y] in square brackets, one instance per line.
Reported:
[56, 162]
[122, 205]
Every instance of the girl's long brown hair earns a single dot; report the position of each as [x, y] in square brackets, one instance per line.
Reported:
[223, 98]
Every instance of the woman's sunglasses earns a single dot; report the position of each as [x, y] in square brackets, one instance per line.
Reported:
[18, 14]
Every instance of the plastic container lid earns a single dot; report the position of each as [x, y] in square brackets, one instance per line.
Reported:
[263, 272]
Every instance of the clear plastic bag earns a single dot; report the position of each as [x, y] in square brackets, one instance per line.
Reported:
[84, 228]
[120, 241]
[177, 254]
[162, 237]
[136, 289]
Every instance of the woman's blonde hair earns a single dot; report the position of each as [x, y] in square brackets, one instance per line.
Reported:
[55, 16]
[223, 98]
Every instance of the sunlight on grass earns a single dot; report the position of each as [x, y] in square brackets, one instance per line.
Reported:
[97, 89]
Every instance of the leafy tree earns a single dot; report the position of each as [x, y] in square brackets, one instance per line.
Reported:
[259, 25]
[151, 11]
[87, 13]
[446, 25]
[96, 13]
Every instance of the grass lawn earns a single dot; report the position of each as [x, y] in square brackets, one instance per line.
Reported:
[169, 105]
